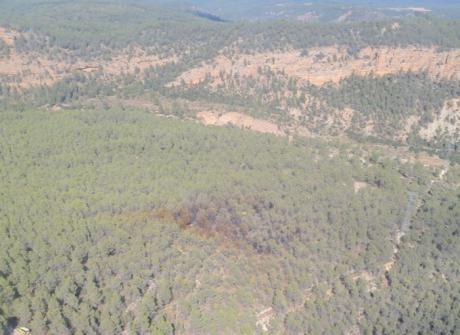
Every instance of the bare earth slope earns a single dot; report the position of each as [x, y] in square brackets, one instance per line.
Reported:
[331, 64]
[317, 66]
[27, 69]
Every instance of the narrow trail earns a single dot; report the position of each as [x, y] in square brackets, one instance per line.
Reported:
[133, 305]
[414, 202]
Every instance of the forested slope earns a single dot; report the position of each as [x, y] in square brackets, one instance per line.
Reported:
[327, 79]
[335, 210]
[119, 221]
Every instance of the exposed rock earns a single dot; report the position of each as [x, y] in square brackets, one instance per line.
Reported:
[329, 64]
[447, 122]
[240, 120]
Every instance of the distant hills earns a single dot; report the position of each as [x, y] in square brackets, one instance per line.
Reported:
[323, 10]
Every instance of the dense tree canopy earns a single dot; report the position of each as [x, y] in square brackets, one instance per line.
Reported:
[121, 214]
[119, 220]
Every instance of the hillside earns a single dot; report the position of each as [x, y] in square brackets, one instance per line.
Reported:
[126, 224]
[326, 10]
[167, 171]
[299, 77]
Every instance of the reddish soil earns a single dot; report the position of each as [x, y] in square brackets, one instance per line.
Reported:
[330, 64]
[240, 120]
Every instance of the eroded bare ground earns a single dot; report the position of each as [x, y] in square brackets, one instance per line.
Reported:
[31, 69]
[205, 113]
[329, 64]
[8, 36]
[240, 120]
[27, 69]
[214, 114]
[318, 66]
[446, 121]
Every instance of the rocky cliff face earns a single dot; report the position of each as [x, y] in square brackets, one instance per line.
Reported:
[282, 81]
[329, 64]
[268, 77]
[25, 69]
